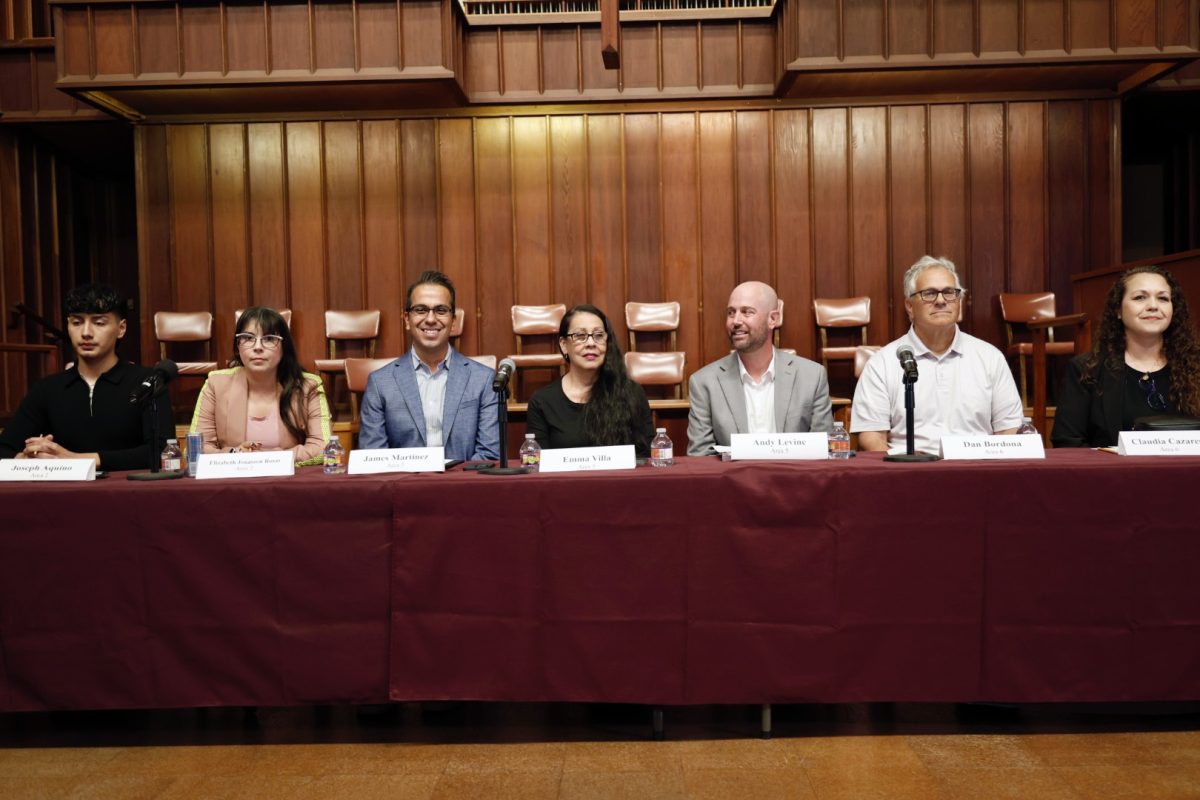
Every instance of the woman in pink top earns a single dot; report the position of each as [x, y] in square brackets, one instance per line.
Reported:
[265, 401]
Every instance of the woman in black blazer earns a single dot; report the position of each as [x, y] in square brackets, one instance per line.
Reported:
[1145, 361]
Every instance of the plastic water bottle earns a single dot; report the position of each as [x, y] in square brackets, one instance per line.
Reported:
[531, 453]
[171, 457]
[662, 452]
[335, 457]
[1027, 426]
[839, 441]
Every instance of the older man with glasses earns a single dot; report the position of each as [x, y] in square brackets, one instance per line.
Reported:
[432, 395]
[964, 388]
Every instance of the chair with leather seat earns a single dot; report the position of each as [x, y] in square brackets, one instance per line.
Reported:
[655, 368]
[539, 321]
[357, 371]
[347, 326]
[487, 361]
[841, 315]
[172, 327]
[862, 354]
[1018, 310]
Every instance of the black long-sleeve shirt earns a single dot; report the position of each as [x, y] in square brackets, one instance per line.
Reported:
[556, 421]
[84, 420]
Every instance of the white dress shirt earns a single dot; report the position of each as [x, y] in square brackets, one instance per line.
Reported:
[966, 391]
[760, 398]
[432, 386]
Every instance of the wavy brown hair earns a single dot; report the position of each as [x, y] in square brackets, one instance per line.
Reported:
[1180, 343]
[293, 397]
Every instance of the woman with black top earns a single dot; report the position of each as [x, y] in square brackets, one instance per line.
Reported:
[595, 403]
[1145, 362]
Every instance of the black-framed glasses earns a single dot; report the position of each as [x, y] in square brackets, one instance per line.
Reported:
[423, 311]
[580, 337]
[247, 341]
[1154, 398]
[950, 295]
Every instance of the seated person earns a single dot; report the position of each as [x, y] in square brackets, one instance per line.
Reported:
[595, 403]
[756, 388]
[84, 412]
[965, 386]
[266, 401]
[1145, 362]
[432, 396]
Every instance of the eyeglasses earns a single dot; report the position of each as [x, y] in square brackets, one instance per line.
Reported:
[579, 337]
[423, 311]
[931, 295]
[247, 341]
[1154, 398]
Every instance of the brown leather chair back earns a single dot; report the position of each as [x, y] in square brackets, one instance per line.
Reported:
[286, 313]
[1026, 307]
[862, 354]
[647, 317]
[657, 369]
[456, 327]
[537, 320]
[183, 326]
[352, 324]
[357, 371]
[842, 312]
[486, 360]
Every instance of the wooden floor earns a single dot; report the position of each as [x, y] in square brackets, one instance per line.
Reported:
[580, 751]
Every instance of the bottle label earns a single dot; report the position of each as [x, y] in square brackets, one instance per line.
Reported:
[170, 464]
[661, 453]
[530, 459]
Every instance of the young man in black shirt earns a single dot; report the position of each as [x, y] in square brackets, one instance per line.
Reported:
[84, 412]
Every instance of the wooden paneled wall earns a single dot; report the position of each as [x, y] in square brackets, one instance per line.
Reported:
[610, 207]
[24, 19]
[27, 90]
[823, 32]
[59, 226]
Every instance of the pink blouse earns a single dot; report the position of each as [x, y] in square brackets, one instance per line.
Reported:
[264, 430]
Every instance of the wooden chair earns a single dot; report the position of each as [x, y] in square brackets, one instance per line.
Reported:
[1018, 311]
[172, 327]
[662, 368]
[487, 361]
[540, 321]
[1039, 330]
[346, 326]
[862, 354]
[357, 371]
[839, 314]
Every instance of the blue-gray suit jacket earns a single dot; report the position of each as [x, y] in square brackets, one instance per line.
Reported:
[392, 416]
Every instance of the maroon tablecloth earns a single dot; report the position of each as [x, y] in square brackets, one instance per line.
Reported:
[1068, 579]
[118, 594]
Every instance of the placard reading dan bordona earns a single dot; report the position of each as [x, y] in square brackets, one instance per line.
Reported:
[47, 469]
[779, 446]
[397, 459]
[588, 459]
[1159, 443]
[264, 464]
[978, 448]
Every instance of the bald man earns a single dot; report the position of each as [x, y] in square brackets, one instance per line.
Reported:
[756, 388]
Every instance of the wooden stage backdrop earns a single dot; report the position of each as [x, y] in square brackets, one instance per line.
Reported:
[602, 205]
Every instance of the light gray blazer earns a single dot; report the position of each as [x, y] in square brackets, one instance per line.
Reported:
[718, 401]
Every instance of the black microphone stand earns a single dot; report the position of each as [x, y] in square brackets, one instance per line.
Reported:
[154, 444]
[910, 402]
[502, 412]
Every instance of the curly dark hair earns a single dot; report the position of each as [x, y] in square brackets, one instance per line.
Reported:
[95, 298]
[610, 416]
[289, 373]
[1180, 344]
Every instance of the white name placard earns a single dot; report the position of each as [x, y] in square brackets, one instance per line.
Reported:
[980, 448]
[588, 459]
[47, 469]
[779, 446]
[397, 459]
[264, 464]
[1159, 443]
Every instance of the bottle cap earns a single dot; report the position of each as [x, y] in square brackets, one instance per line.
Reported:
[660, 430]
[530, 436]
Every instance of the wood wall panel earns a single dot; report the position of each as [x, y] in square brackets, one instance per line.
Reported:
[246, 38]
[203, 53]
[1043, 26]
[609, 207]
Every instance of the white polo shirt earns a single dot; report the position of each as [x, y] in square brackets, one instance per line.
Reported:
[966, 391]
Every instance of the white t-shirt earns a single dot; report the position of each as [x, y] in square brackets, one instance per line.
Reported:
[966, 391]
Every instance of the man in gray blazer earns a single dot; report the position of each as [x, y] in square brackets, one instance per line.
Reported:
[756, 388]
[432, 395]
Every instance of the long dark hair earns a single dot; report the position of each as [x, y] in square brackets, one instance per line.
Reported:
[293, 399]
[610, 416]
[1180, 343]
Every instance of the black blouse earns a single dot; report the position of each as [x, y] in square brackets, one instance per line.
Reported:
[556, 421]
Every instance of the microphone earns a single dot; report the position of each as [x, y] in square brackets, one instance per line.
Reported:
[504, 371]
[163, 373]
[908, 363]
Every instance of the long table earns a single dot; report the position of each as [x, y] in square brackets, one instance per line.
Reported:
[1069, 579]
